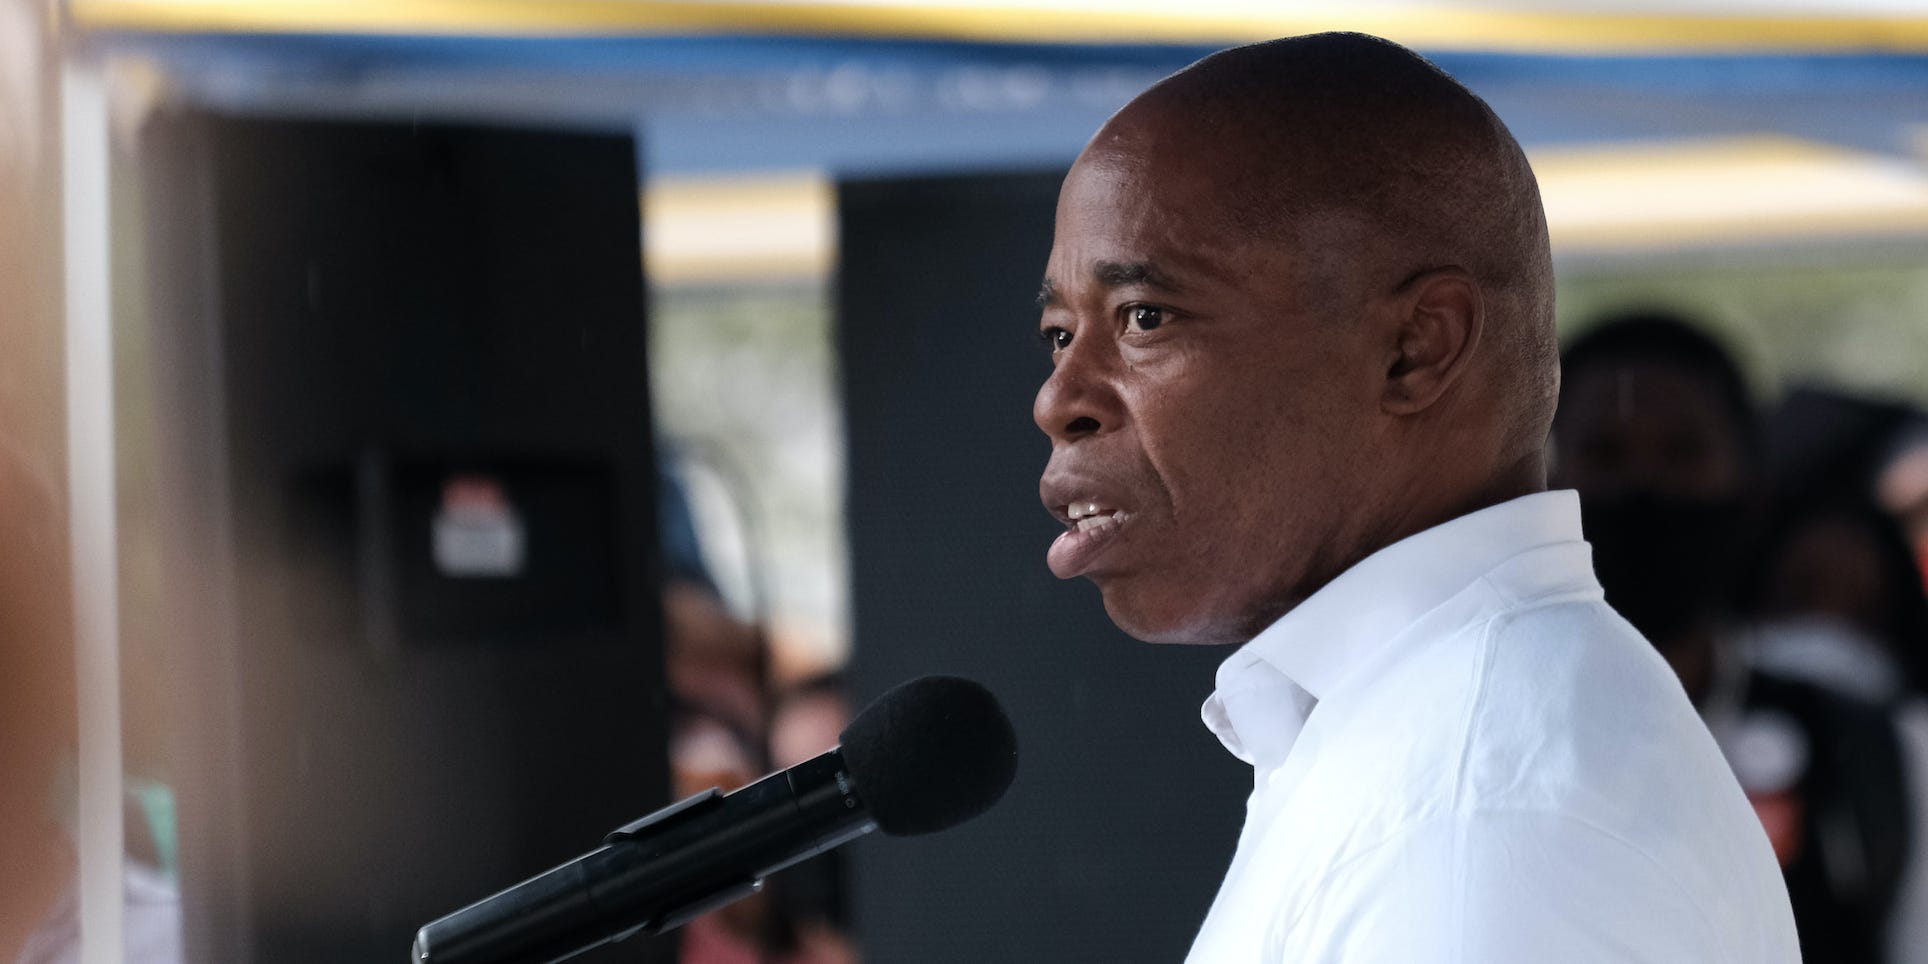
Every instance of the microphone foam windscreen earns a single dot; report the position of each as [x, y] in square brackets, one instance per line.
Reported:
[930, 754]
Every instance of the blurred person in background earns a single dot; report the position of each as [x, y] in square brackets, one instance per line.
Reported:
[1658, 432]
[37, 721]
[1837, 587]
[724, 725]
[710, 656]
[1901, 485]
[806, 719]
[1837, 593]
[39, 902]
[706, 751]
[713, 658]
[1838, 597]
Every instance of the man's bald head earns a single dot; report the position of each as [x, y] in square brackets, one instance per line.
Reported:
[1299, 303]
[1373, 164]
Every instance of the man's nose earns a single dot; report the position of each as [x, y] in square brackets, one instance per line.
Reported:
[1078, 399]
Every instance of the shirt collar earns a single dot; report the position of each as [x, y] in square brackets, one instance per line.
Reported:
[1267, 688]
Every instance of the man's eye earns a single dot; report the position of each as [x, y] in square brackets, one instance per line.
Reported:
[1144, 317]
[1055, 338]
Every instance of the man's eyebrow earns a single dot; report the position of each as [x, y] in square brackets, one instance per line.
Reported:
[1115, 274]
[1121, 274]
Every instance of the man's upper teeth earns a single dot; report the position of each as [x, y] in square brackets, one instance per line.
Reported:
[1080, 510]
[1091, 522]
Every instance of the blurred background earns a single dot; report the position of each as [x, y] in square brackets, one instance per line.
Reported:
[434, 433]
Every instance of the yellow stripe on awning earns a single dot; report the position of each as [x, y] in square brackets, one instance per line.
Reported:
[1431, 27]
[713, 230]
[1726, 192]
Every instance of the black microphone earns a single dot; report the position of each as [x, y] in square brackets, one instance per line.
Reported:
[926, 756]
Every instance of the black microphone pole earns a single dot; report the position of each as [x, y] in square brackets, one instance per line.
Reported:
[926, 756]
[659, 872]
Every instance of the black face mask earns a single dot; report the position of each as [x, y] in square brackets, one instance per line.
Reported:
[1666, 563]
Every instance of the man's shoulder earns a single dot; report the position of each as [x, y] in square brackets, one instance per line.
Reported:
[1555, 708]
[1487, 670]
[1542, 742]
[1540, 884]
[1546, 679]
[1574, 668]
[1576, 712]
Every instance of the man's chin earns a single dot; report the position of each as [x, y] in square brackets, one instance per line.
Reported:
[1171, 619]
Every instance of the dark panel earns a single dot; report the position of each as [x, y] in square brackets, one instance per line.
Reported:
[1125, 811]
[402, 387]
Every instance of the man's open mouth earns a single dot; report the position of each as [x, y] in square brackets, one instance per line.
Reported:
[1089, 515]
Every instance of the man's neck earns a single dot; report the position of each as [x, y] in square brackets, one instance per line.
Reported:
[1432, 503]
[1424, 510]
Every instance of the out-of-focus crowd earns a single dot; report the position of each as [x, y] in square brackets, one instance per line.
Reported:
[733, 719]
[1774, 555]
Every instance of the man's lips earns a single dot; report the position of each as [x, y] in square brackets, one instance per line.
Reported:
[1092, 527]
[1092, 521]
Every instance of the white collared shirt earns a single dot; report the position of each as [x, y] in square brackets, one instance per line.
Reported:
[1461, 755]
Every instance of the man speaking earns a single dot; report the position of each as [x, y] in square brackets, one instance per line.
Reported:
[1300, 309]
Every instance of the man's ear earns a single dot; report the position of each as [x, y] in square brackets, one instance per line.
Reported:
[1435, 328]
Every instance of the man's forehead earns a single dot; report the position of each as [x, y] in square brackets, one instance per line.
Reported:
[1181, 126]
[1122, 209]
[1145, 207]
[1193, 184]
